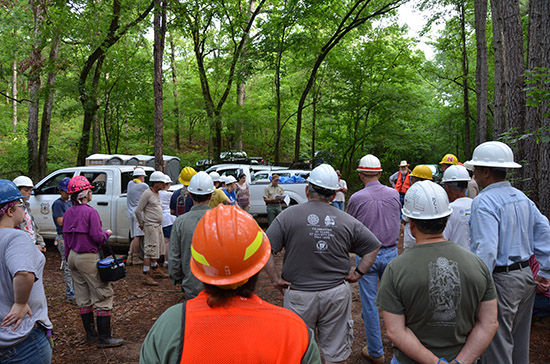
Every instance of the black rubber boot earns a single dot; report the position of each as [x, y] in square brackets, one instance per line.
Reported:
[104, 328]
[89, 326]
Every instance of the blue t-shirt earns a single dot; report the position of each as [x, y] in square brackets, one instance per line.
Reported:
[232, 196]
[58, 210]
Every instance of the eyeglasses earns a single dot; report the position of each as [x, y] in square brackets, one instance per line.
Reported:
[19, 205]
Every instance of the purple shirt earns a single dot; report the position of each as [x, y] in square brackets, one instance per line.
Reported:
[377, 207]
[82, 230]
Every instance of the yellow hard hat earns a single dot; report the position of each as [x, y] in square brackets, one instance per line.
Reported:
[185, 175]
[449, 159]
[422, 171]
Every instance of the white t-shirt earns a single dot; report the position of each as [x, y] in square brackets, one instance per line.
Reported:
[340, 195]
[457, 229]
[167, 218]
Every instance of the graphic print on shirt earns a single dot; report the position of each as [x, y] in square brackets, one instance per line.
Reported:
[444, 291]
[321, 235]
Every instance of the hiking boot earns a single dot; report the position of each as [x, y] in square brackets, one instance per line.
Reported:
[377, 360]
[148, 281]
[157, 273]
[105, 339]
[89, 326]
[136, 260]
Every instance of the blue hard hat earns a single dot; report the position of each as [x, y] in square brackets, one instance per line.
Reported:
[64, 184]
[9, 191]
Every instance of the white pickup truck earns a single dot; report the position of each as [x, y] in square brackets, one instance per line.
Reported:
[109, 197]
[258, 177]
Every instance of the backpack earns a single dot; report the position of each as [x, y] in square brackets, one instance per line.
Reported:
[180, 202]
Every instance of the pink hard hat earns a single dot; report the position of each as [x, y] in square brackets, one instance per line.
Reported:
[78, 183]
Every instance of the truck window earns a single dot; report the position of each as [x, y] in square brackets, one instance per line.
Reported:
[126, 178]
[98, 181]
[50, 186]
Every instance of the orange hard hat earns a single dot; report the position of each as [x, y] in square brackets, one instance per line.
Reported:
[228, 247]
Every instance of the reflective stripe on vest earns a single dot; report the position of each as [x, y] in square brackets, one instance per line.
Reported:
[401, 186]
[247, 330]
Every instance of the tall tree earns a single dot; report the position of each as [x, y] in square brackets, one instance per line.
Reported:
[159, 25]
[176, 111]
[482, 70]
[465, 74]
[499, 97]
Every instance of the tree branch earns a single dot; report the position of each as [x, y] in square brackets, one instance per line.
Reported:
[11, 98]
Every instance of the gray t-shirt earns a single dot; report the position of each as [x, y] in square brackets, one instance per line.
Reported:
[318, 240]
[438, 288]
[19, 254]
[135, 190]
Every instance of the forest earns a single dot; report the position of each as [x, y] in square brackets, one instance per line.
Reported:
[287, 80]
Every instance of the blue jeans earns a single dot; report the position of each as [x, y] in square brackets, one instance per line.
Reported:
[35, 349]
[394, 361]
[338, 204]
[368, 287]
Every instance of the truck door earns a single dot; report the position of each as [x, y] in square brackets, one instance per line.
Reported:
[102, 182]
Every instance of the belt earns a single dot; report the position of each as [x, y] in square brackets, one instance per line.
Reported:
[511, 267]
[273, 203]
[388, 247]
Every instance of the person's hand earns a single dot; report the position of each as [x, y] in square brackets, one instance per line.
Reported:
[41, 248]
[109, 231]
[55, 243]
[543, 284]
[16, 315]
[281, 285]
[353, 277]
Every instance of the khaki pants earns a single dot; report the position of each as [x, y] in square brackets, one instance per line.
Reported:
[153, 244]
[89, 289]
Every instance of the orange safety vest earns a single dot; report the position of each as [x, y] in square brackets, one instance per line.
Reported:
[402, 186]
[247, 330]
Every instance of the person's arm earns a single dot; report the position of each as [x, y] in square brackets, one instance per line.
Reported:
[312, 355]
[364, 265]
[22, 286]
[344, 187]
[482, 333]
[403, 337]
[139, 210]
[393, 178]
[275, 277]
[484, 235]
[541, 236]
[96, 230]
[174, 255]
[173, 202]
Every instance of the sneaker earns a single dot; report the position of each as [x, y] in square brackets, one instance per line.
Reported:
[378, 360]
[148, 281]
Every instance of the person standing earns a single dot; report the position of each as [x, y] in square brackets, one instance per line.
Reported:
[243, 193]
[218, 196]
[227, 322]
[273, 199]
[167, 218]
[438, 300]
[455, 181]
[420, 173]
[179, 203]
[25, 326]
[135, 189]
[447, 161]
[25, 186]
[83, 236]
[318, 239]
[229, 189]
[200, 189]
[59, 207]
[402, 182]
[149, 217]
[377, 207]
[340, 199]
[506, 229]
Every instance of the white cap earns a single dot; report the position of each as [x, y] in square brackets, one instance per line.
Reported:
[324, 176]
[23, 181]
[215, 176]
[138, 172]
[426, 200]
[201, 184]
[157, 176]
[456, 173]
[369, 163]
[493, 154]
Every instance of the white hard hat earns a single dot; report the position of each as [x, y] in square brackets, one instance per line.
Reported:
[167, 178]
[201, 184]
[493, 154]
[157, 176]
[324, 176]
[456, 173]
[23, 181]
[215, 176]
[229, 180]
[426, 200]
[369, 163]
[138, 172]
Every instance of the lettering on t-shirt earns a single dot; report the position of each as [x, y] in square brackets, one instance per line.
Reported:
[321, 235]
[444, 291]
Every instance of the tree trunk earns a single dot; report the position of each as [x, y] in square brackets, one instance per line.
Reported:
[465, 92]
[499, 118]
[159, 25]
[176, 111]
[48, 104]
[14, 88]
[34, 90]
[278, 131]
[482, 70]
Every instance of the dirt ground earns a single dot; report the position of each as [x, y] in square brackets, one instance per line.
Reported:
[136, 308]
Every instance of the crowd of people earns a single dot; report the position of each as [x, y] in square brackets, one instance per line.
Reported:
[476, 252]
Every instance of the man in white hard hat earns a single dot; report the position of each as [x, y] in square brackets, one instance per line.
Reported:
[149, 216]
[438, 300]
[25, 186]
[200, 189]
[135, 189]
[506, 229]
[218, 196]
[377, 207]
[455, 181]
[316, 268]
